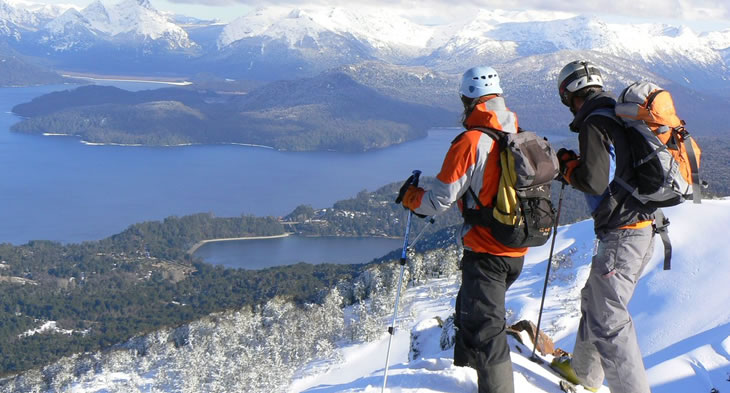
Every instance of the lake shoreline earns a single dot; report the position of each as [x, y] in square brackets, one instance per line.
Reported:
[201, 243]
[121, 78]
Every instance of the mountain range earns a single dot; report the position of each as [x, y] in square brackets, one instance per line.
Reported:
[286, 43]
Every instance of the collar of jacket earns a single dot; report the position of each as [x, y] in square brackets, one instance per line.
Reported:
[493, 113]
[594, 101]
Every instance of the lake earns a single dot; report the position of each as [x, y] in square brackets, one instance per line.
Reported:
[56, 188]
[261, 253]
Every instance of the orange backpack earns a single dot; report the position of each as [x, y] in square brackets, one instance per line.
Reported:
[666, 158]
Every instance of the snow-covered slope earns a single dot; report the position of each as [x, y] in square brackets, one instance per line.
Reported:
[681, 315]
[682, 320]
[128, 20]
[14, 19]
[383, 35]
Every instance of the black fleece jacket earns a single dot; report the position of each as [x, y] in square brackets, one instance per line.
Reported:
[605, 155]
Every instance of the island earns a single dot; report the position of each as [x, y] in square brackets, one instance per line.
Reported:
[329, 112]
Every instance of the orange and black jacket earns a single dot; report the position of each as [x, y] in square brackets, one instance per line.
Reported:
[473, 161]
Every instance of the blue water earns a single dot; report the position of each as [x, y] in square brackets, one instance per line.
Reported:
[257, 254]
[57, 188]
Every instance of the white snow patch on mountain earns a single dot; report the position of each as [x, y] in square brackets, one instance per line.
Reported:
[374, 26]
[718, 40]
[498, 35]
[44, 11]
[17, 15]
[294, 25]
[47, 327]
[129, 17]
[681, 316]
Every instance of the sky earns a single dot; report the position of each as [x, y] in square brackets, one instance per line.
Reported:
[700, 15]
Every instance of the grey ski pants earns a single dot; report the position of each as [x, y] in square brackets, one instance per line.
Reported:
[606, 343]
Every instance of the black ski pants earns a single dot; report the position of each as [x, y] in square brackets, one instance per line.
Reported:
[481, 339]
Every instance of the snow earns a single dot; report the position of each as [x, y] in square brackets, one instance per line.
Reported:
[47, 327]
[681, 315]
[133, 17]
[718, 40]
[500, 34]
[293, 25]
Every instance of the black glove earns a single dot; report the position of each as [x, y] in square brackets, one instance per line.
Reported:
[565, 156]
[411, 180]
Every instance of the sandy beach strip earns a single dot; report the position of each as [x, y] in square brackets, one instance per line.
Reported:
[172, 82]
[202, 242]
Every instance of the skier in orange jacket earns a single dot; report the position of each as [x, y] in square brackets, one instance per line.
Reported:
[488, 267]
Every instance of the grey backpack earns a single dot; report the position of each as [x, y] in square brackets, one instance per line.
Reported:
[521, 214]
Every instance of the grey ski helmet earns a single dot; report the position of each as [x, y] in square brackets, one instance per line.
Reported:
[480, 81]
[577, 75]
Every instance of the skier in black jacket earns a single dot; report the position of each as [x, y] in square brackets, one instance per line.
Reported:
[606, 344]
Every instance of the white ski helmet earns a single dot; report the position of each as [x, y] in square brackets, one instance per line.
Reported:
[575, 76]
[480, 81]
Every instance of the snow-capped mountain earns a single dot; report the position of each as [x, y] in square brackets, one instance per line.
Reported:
[316, 38]
[129, 20]
[286, 43]
[675, 52]
[14, 20]
[302, 27]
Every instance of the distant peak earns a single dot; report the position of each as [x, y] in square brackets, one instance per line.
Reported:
[145, 4]
[96, 5]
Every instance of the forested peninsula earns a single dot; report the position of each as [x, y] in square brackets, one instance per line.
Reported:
[331, 112]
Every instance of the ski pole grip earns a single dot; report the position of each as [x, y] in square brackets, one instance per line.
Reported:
[412, 180]
[416, 175]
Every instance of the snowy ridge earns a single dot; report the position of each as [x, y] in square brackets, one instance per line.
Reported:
[16, 15]
[314, 38]
[327, 37]
[510, 32]
[129, 17]
[648, 43]
[719, 40]
[681, 316]
[295, 25]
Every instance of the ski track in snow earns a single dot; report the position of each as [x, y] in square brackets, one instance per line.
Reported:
[681, 315]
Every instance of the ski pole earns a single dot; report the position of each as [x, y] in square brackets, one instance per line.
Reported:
[431, 220]
[403, 258]
[534, 358]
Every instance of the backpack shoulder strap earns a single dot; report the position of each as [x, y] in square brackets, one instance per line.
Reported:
[606, 112]
[494, 134]
[497, 137]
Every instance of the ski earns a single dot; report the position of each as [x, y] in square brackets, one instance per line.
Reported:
[567, 387]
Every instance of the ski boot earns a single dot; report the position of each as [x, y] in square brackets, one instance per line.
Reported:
[562, 366]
